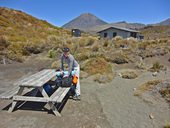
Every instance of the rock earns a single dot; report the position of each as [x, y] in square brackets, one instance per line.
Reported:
[120, 74]
[155, 74]
[134, 89]
[151, 116]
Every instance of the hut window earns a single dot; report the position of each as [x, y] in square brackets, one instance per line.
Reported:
[114, 34]
[105, 34]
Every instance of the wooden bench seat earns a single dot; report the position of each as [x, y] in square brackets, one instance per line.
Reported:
[56, 97]
[10, 93]
[59, 95]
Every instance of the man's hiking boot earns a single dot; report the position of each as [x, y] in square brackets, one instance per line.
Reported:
[75, 97]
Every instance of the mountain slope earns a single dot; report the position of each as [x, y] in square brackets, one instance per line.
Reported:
[156, 32]
[135, 26]
[84, 21]
[165, 22]
[19, 26]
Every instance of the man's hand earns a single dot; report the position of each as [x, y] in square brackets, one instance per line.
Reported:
[62, 72]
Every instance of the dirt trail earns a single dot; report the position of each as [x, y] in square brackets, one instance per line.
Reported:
[124, 110]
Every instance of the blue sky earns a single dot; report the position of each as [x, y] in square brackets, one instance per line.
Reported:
[59, 12]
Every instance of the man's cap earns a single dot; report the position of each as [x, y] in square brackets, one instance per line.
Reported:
[66, 49]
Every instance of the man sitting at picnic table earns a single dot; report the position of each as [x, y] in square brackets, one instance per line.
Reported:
[68, 59]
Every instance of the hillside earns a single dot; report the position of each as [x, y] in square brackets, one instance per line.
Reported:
[84, 21]
[19, 26]
[156, 32]
[22, 34]
[124, 24]
[134, 26]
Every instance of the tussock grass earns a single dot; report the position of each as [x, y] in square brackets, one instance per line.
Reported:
[100, 68]
[167, 125]
[156, 67]
[146, 86]
[129, 74]
[165, 92]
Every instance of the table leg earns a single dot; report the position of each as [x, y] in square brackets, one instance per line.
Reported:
[51, 105]
[54, 109]
[15, 102]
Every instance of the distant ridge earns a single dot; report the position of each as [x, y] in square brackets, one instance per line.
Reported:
[84, 21]
[90, 23]
[165, 22]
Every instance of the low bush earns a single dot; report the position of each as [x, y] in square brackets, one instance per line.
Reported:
[167, 125]
[4, 43]
[129, 74]
[165, 92]
[156, 67]
[55, 65]
[51, 53]
[82, 56]
[104, 78]
[97, 65]
[146, 86]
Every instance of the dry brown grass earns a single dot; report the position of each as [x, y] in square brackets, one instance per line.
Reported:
[99, 67]
[104, 78]
[55, 65]
[129, 74]
[156, 32]
[167, 125]
[156, 67]
[165, 92]
[146, 86]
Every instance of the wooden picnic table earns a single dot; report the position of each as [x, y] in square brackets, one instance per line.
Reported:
[37, 81]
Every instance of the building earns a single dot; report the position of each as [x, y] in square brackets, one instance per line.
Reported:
[76, 32]
[113, 31]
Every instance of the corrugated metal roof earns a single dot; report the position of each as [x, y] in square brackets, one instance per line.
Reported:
[120, 28]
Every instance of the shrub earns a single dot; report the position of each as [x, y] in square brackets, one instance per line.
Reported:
[129, 74]
[167, 125]
[117, 38]
[140, 65]
[97, 65]
[51, 53]
[104, 78]
[156, 67]
[142, 45]
[120, 60]
[106, 43]
[146, 86]
[34, 48]
[55, 65]
[165, 92]
[121, 43]
[4, 43]
[82, 56]
[95, 47]
[90, 41]
[86, 41]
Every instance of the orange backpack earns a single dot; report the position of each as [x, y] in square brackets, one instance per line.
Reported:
[75, 79]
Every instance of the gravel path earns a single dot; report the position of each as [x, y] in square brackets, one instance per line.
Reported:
[124, 110]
